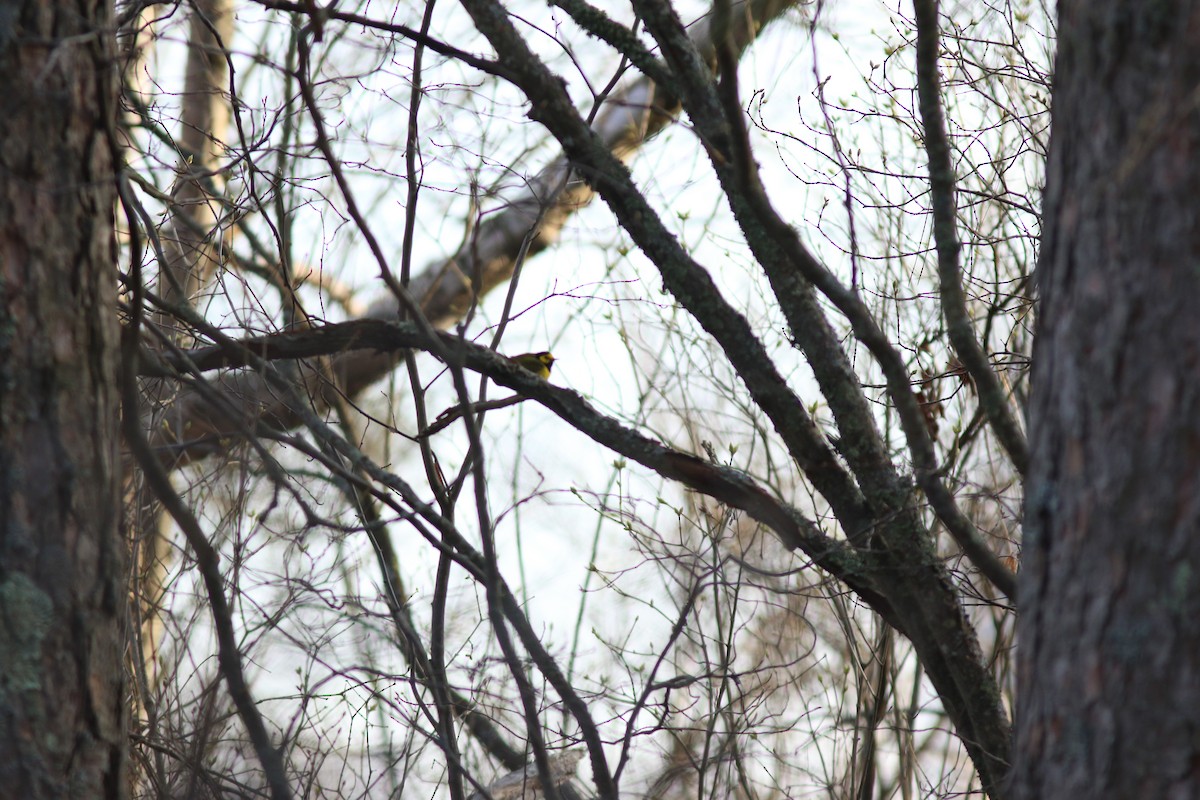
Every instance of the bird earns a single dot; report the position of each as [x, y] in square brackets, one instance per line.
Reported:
[537, 363]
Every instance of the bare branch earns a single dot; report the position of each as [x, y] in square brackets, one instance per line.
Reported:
[446, 290]
[992, 397]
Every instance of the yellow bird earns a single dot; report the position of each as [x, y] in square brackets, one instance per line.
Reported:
[537, 363]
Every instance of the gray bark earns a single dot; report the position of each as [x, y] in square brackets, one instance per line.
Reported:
[1109, 658]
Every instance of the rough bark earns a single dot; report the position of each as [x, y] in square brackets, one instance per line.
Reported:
[62, 596]
[1109, 663]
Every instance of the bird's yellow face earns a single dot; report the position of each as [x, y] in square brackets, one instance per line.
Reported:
[537, 363]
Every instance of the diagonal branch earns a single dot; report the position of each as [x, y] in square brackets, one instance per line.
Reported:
[448, 289]
[793, 272]
[727, 485]
[917, 586]
[992, 397]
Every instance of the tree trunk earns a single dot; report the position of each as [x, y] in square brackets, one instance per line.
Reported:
[62, 595]
[1109, 659]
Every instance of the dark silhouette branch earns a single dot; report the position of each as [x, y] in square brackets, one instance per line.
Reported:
[992, 396]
